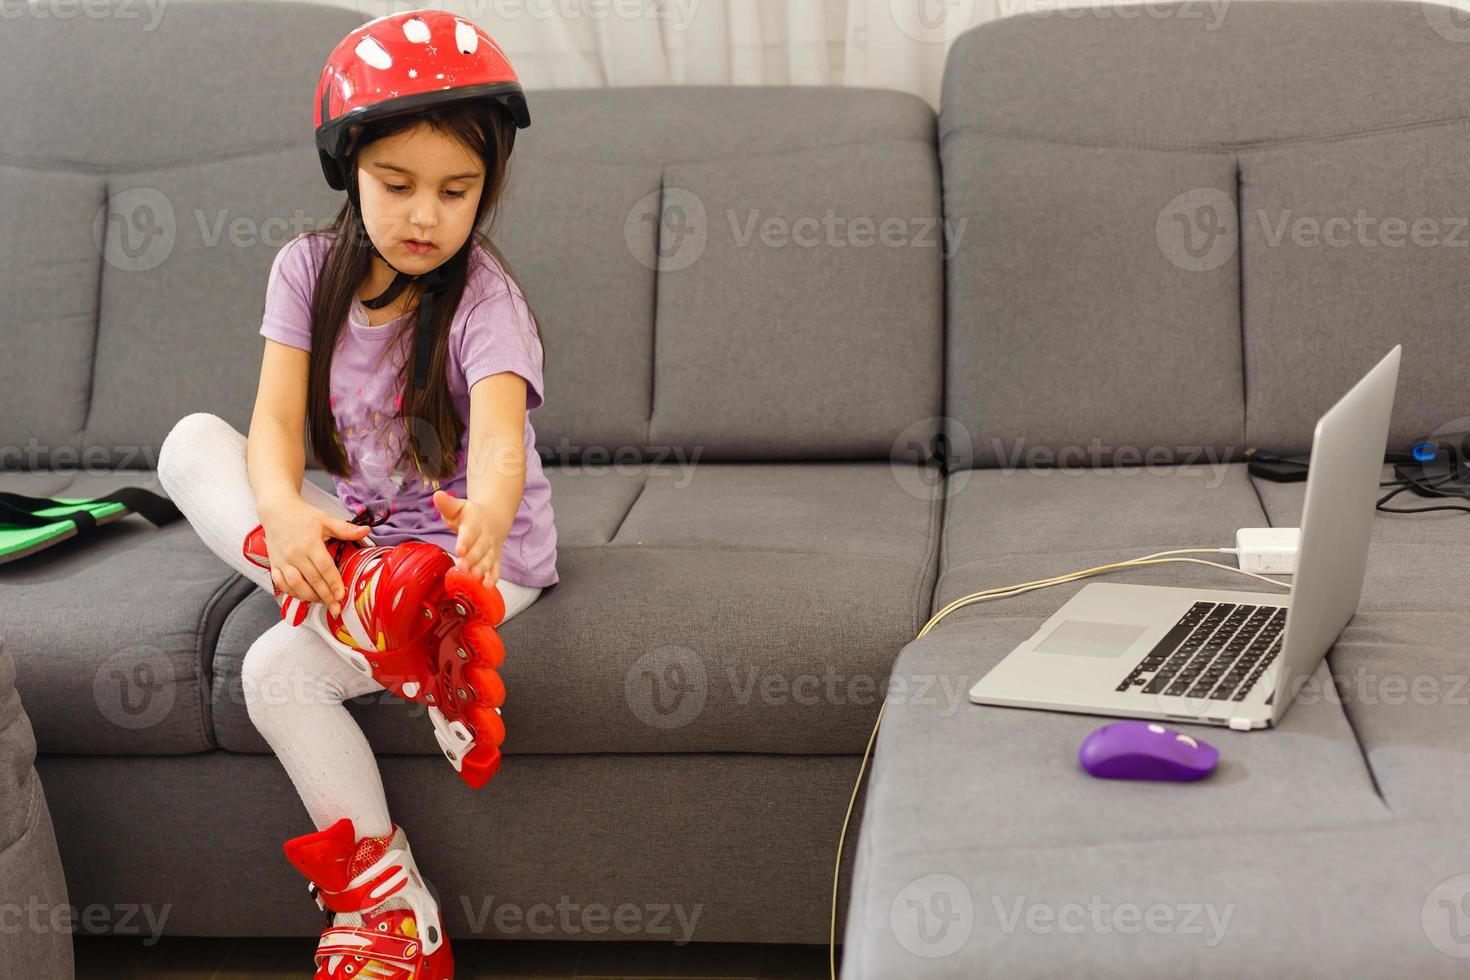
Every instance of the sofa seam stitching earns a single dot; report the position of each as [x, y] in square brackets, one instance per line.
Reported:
[919, 578]
[658, 232]
[83, 434]
[1240, 299]
[33, 808]
[206, 687]
[643, 487]
[41, 165]
[1243, 146]
[927, 142]
[758, 549]
[1357, 825]
[1347, 717]
[931, 552]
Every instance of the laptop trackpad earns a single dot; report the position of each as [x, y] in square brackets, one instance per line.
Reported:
[1080, 637]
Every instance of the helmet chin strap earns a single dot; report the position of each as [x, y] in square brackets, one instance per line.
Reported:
[435, 281]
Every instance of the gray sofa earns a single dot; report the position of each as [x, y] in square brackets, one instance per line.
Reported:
[740, 430]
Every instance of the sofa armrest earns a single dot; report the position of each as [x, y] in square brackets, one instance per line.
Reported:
[33, 901]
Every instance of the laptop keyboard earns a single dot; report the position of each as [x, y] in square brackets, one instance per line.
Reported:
[1217, 650]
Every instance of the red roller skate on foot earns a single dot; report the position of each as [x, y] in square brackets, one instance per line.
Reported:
[382, 921]
[423, 629]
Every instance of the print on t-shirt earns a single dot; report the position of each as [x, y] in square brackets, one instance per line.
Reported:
[376, 442]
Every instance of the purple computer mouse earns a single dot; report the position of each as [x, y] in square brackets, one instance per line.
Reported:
[1146, 750]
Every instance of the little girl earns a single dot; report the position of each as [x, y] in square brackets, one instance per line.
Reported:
[398, 339]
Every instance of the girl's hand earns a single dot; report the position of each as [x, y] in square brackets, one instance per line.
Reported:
[295, 533]
[478, 546]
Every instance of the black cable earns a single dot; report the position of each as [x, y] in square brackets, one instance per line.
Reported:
[1424, 510]
[1430, 488]
[1425, 488]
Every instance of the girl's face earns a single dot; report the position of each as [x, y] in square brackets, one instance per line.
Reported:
[419, 185]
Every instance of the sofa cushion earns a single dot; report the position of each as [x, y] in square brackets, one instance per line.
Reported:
[1157, 265]
[1373, 900]
[1075, 520]
[49, 277]
[565, 217]
[703, 317]
[809, 323]
[717, 847]
[112, 635]
[1357, 744]
[1353, 246]
[1065, 325]
[138, 237]
[719, 607]
[181, 337]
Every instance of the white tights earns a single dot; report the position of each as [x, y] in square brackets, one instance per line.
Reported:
[294, 684]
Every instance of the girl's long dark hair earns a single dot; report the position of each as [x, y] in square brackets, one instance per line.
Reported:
[433, 427]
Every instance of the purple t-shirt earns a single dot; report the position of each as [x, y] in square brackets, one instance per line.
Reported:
[491, 332]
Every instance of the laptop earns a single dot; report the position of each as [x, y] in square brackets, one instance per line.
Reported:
[1216, 656]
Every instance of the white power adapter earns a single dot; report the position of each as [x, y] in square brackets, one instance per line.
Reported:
[1268, 550]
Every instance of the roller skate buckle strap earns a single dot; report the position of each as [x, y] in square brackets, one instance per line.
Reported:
[369, 944]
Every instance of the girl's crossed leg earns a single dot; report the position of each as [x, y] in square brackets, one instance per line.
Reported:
[294, 683]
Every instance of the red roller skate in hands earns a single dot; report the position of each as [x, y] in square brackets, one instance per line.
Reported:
[421, 628]
[382, 921]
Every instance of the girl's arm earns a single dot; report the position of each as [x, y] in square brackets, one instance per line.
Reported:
[495, 468]
[275, 453]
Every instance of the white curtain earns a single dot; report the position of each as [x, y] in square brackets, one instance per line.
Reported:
[896, 44]
[899, 44]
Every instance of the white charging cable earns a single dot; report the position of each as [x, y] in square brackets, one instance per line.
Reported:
[1243, 548]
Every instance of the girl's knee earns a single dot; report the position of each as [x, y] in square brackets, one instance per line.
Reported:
[261, 677]
[277, 672]
[185, 440]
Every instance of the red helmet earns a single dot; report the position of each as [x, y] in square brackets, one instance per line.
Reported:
[411, 60]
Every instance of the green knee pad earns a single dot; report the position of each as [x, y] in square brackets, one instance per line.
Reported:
[32, 524]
